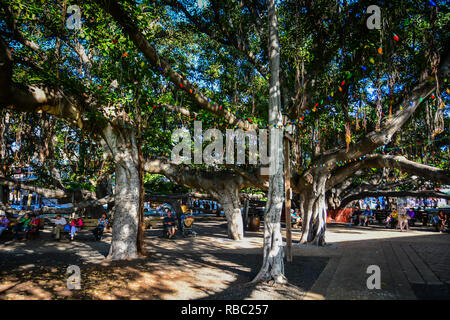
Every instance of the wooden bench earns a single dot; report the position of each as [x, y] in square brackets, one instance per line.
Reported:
[153, 222]
[89, 224]
[9, 232]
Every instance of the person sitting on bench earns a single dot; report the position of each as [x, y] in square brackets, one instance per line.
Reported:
[60, 224]
[75, 225]
[390, 220]
[33, 226]
[169, 225]
[355, 216]
[101, 225]
[441, 226]
[365, 216]
[411, 215]
[296, 219]
[4, 222]
[21, 225]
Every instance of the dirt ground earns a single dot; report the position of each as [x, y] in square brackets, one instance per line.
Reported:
[414, 264]
[209, 266]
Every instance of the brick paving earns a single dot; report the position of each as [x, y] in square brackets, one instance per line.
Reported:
[414, 264]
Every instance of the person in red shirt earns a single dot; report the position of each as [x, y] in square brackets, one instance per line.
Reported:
[75, 225]
[32, 227]
[442, 221]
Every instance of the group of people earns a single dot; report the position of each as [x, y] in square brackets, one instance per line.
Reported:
[29, 223]
[361, 218]
[75, 225]
[208, 205]
[400, 220]
[440, 221]
[185, 221]
[61, 225]
[403, 221]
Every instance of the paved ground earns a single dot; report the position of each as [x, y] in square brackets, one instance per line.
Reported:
[414, 265]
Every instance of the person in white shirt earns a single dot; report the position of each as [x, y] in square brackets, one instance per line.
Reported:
[60, 223]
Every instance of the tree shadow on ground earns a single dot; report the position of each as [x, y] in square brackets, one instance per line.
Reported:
[209, 266]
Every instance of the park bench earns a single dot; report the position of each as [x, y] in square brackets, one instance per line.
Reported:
[152, 222]
[9, 232]
[380, 216]
[89, 224]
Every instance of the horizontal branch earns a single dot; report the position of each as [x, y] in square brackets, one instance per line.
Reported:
[60, 194]
[199, 178]
[47, 210]
[389, 161]
[164, 68]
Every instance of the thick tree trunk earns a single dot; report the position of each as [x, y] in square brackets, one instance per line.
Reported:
[273, 267]
[232, 209]
[126, 215]
[141, 228]
[314, 211]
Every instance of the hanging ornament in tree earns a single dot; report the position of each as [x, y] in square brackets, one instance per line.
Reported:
[348, 135]
[396, 38]
[380, 50]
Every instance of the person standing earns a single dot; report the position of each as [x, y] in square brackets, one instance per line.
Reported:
[378, 205]
[403, 221]
[30, 197]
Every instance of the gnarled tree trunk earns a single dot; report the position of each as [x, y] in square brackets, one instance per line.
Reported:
[232, 209]
[314, 210]
[126, 216]
[273, 267]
